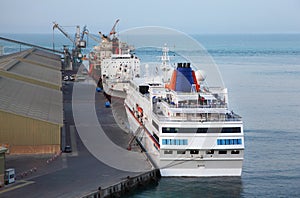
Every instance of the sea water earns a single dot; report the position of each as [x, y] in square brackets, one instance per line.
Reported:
[262, 74]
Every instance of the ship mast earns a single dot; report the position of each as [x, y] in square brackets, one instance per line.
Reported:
[165, 63]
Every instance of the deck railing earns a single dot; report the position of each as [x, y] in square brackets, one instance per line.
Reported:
[229, 117]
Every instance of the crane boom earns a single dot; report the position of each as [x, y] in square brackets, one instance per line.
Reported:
[83, 32]
[113, 30]
[91, 36]
[104, 37]
[62, 31]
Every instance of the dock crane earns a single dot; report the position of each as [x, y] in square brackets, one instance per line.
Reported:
[83, 31]
[62, 31]
[78, 42]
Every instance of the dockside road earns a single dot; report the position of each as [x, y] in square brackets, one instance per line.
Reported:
[93, 136]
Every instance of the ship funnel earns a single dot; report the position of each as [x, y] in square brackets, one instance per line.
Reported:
[183, 79]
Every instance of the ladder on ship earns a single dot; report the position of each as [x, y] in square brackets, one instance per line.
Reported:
[134, 136]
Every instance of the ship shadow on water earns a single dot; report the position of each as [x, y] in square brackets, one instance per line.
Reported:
[195, 186]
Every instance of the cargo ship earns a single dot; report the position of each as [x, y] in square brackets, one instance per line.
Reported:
[112, 64]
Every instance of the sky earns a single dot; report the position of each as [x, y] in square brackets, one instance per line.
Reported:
[189, 16]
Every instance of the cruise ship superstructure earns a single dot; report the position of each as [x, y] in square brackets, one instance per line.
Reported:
[185, 127]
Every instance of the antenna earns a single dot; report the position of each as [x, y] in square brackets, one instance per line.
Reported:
[165, 65]
[147, 70]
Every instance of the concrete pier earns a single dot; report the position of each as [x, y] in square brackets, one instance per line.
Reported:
[127, 185]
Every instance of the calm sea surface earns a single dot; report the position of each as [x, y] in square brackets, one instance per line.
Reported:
[262, 74]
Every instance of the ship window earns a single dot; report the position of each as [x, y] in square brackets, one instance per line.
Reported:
[180, 142]
[210, 152]
[235, 152]
[235, 142]
[222, 152]
[231, 130]
[144, 89]
[194, 152]
[174, 142]
[202, 130]
[187, 130]
[169, 130]
[229, 141]
[168, 152]
[239, 141]
[180, 152]
[185, 142]
[164, 142]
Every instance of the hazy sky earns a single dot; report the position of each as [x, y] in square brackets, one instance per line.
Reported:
[190, 16]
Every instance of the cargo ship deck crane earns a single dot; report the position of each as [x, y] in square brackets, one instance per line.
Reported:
[91, 36]
[113, 29]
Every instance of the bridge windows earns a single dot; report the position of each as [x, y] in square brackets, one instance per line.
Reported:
[202, 130]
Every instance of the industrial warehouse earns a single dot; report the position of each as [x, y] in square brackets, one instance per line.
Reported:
[31, 102]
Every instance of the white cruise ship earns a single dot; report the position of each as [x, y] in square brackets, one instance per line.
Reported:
[185, 127]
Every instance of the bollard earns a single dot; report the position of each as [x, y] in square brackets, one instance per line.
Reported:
[98, 89]
[107, 104]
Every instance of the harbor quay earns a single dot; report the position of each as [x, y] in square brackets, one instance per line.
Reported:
[78, 171]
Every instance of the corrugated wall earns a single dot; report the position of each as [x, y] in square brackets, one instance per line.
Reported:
[27, 135]
[2, 168]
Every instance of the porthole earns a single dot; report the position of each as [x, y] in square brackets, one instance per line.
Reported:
[235, 152]
[222, 152]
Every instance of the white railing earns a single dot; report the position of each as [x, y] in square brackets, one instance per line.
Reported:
[196, 118]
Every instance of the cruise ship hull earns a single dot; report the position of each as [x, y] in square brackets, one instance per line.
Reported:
[202, 168]
[199, 166]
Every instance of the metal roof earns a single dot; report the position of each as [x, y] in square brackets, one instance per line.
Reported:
[36, 72]
[38, 56]
[31, 100]
[34, 64]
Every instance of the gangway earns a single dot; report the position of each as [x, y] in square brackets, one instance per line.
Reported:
[135, 135]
